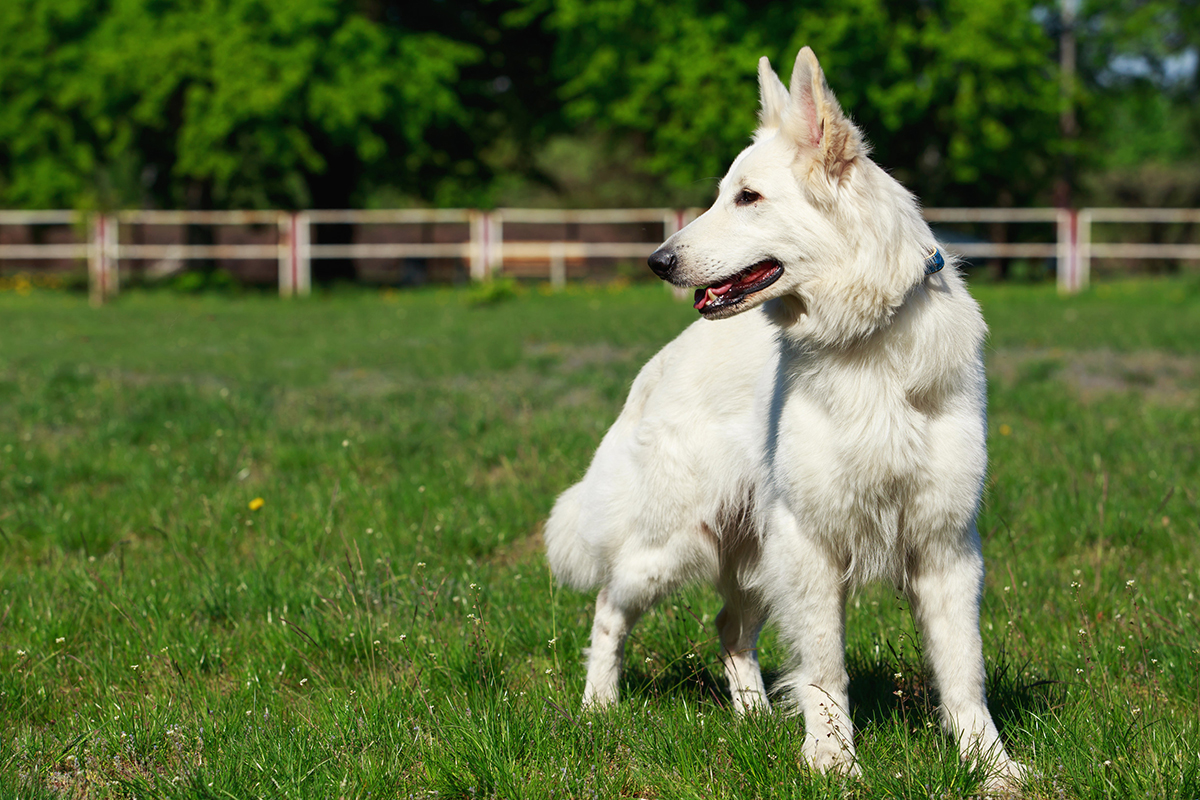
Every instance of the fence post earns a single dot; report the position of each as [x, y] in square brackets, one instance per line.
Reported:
[302, 248]
[1085, 248]
[558, 266]
[674, 221]
[1068, 251]
[286, 283]
[295, 254]
[102, 259]
[495, 242]
[112, 254]
[478, 245]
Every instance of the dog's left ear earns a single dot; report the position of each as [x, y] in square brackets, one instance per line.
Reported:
[815, 120]
[774, 96]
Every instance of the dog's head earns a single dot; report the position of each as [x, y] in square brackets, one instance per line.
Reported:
[803, 219]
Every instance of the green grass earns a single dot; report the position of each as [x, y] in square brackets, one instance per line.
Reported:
[385, 626]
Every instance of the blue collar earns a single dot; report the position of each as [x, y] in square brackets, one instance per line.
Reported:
[934, 262]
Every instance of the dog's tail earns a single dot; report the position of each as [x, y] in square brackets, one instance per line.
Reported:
[569, 558]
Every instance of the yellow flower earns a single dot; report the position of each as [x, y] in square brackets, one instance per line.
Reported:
[257, 503]
[1005, 430]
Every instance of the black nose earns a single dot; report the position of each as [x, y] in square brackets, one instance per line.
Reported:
[662, 261]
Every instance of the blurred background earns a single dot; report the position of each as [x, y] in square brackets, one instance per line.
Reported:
[321, 104]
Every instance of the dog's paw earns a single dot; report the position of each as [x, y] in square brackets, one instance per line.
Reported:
[750, 701]
[598, 701]
[830, 754]
[1005, 779]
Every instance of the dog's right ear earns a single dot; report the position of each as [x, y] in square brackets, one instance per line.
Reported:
[816, 121]
[774, 98]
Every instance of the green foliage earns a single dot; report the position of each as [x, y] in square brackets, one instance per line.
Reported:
[384, 623]
[1138, 99]
[224, 102]
[194, 281]
[489, 293]
[959, 98]
[256, 103]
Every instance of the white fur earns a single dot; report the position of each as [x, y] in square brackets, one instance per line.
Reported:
[829, 432]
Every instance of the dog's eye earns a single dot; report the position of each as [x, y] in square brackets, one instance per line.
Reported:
[747, 197]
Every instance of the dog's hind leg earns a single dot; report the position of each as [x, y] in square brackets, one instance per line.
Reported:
[738, 625]
[639, 575]
[609, 631]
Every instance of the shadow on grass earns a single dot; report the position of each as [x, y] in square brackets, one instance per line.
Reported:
[877, 695]
[1012, 697]
[688, 680]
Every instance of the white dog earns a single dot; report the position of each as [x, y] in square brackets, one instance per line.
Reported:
[791, 452]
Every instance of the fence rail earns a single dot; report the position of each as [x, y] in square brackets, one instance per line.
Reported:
[481, 241]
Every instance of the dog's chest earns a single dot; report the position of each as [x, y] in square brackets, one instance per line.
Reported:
[849, 448]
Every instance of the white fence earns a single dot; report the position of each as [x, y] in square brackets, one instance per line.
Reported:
[485, 248]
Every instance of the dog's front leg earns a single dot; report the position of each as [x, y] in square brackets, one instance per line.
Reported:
[944, 589]
[808, 602]
[609, 631]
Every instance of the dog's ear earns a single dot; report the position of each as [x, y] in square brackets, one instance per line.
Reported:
[815, 120]
[774, 97]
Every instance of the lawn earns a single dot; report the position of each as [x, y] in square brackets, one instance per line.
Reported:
[255, 548]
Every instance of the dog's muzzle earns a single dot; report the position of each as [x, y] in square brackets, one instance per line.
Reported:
[662, 262]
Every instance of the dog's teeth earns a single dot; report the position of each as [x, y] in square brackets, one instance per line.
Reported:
[712, 296]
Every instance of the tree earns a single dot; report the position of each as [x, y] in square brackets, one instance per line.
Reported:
[255, 103]
[1140, 101]
[959, 97]
[238, 103]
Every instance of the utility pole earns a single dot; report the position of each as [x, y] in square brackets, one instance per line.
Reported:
[1068, 262]
[1066, 121]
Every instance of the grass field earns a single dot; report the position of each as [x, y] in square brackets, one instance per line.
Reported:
[384, 624]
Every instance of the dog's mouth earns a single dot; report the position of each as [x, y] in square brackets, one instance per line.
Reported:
[717, 297]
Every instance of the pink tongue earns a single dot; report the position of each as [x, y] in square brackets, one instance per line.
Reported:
[702, 293]
[757, 275]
